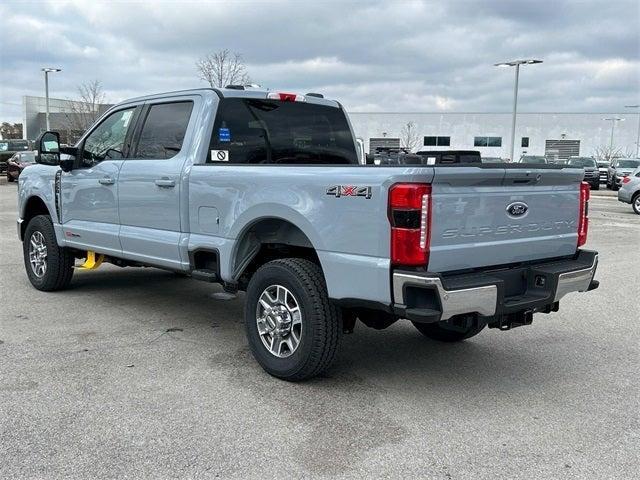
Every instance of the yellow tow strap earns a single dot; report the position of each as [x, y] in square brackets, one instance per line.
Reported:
[92, 262]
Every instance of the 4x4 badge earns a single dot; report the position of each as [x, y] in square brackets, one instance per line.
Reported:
[349, 191]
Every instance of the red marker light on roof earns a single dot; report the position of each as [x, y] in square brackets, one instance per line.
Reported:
[285, 97]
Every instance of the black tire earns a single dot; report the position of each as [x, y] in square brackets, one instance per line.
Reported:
[59, 261]
[9, 178]
[614, 187]
[321, 321]
[595, 187]
[436, 331]
[635, 204]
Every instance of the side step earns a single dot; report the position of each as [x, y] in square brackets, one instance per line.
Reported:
[204, 275]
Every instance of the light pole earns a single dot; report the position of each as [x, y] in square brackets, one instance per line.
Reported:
[515, 63]
[613, 121]
[638, 137]
[47, 71]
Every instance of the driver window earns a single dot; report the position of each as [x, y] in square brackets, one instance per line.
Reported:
[107, 140]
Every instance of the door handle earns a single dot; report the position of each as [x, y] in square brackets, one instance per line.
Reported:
[165, 183]
[106, 181]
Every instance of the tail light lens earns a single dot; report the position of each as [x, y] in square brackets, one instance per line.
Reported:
[626, 180]
[410, 217]
[583, 220]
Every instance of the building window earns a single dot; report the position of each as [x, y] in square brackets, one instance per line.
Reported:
[437, 141]
[525, 142]
[487, 141]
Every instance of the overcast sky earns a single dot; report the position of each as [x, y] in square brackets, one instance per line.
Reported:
[372, 56]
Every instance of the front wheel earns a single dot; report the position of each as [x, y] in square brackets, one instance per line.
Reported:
[48, 266]
[292, 327]
[444, 332]
[9, 177]
[635, 203]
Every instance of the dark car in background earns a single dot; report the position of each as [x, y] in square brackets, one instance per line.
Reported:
[620, 168]
[8, 148]
[18, 162]
[603, 168]
[591, 172]
[533, 159]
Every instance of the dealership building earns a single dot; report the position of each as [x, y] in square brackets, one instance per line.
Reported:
[558, 135]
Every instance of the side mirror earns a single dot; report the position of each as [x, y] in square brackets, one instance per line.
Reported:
[48, 148]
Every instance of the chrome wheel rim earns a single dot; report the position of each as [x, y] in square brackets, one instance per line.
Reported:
[279, 321]
[38, 254]
[637, 203]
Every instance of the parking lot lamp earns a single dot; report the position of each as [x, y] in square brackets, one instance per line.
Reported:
[638, 136]
[515, 63]
[613, 121]
[47, 71]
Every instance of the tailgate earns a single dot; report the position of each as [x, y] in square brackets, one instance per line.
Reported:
[502, 215]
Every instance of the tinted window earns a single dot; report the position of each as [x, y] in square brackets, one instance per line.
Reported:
[628, 163]
[107, 140]
[582, 162]
[268, 131]
[487, 141]
[437, 141]
[163, 131]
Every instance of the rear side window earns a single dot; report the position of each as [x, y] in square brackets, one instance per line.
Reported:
[163, 131]
[252, 131]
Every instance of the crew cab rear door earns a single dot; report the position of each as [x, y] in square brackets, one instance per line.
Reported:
[149, 184]
[502, 215]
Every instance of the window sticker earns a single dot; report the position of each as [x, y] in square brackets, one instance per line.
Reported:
[224, 134]
[126, 118]
[219, 155]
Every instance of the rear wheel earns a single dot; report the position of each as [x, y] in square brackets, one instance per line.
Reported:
[635, 203]
[445, 332]
[9, 177]
[48, 266]
[595, 186]
[292, 327]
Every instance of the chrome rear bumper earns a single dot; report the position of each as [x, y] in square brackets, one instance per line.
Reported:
[537, 287]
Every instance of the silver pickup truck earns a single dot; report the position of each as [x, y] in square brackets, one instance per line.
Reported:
[263, 192]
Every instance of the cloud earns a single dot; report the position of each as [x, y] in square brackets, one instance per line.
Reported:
[372, 56]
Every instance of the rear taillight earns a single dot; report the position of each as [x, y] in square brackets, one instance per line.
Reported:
[626, 180]
[286, 97]
[583, 220]
[410, 217]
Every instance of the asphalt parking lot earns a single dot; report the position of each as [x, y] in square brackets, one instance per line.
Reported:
[140, 373]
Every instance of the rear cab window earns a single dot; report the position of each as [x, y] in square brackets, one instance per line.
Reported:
[163, 131]
[255, 131]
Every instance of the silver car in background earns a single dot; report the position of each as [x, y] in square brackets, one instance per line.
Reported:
[620, 168]
[630, 190]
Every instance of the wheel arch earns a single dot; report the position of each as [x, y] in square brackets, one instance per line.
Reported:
[33, 207]
[265, 239]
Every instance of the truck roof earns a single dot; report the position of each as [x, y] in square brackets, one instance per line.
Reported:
[251, 92]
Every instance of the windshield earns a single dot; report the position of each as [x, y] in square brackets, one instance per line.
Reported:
[268, 131]
[28, 157]
[582, 162]
[628, 163]
[533, 160]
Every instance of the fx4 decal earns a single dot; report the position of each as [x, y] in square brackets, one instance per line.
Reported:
[349, 191]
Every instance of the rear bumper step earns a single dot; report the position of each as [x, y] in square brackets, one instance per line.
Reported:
[500, 293]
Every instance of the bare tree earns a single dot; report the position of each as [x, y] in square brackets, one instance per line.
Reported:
[86, 109]
[10, 130]
[409, 137]
[607, 153]
[223, 68]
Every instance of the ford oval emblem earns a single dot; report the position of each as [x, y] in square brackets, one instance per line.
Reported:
[517, 209]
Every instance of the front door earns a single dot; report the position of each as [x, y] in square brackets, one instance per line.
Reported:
[89, 200]
[149, 185]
